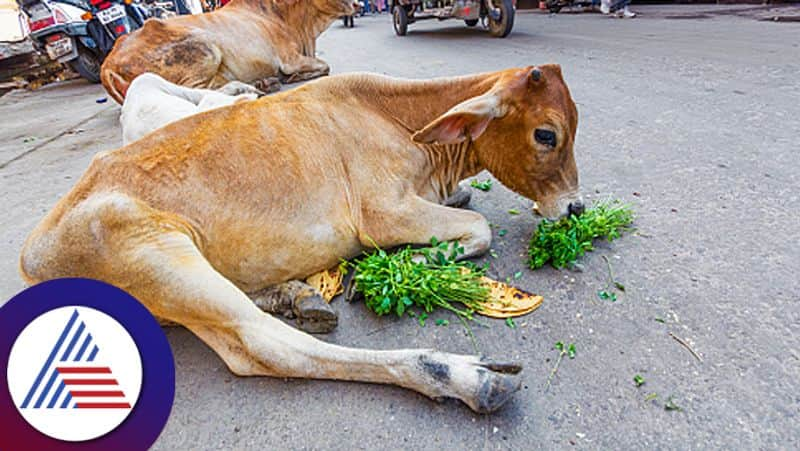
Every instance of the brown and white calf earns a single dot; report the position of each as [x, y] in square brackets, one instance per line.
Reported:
[200, 216]
[252, 41]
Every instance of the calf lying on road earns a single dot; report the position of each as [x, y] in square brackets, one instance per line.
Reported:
[242, 200]
[253, 41]
[153, 102]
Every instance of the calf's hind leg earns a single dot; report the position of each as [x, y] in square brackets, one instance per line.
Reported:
[167, 272]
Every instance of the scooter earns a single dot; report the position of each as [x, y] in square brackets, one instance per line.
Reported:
[80, 33]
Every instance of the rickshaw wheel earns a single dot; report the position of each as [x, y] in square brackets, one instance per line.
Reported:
[501, 28]
[400, 20]
[471, 22]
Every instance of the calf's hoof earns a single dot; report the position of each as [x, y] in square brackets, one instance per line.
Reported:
[497, 384]
[235, 88]
[459, 199]
[268, 85]
[314, 315]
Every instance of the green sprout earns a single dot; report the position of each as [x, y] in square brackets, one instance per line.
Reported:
[563, 350]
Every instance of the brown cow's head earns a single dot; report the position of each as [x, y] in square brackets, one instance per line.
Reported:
[336, 8]
[523, 130]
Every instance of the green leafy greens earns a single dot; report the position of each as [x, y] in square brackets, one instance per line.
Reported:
[395, 282]
[564, 241]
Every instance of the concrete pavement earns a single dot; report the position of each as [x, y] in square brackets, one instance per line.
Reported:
[694, 122]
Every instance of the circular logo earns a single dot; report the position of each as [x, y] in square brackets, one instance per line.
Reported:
[89, 377]
[88, 367]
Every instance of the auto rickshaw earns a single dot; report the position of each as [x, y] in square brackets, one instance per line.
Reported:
[496, 15]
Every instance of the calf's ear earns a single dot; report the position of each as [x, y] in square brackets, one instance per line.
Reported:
[467, 120]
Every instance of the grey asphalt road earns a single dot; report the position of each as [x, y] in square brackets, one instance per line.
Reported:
[694, 122]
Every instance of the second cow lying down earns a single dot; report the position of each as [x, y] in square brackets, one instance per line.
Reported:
[207, 215]
[252, 41]
[153, 102]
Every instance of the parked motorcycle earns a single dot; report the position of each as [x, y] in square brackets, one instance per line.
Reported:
[80, 33]
[164, 9]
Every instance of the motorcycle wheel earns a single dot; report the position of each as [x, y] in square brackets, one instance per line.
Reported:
[501, 27]
[87, 64]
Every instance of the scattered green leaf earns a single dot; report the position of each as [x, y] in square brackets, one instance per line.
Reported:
[564, 241]
[651, 397]
[518, 274]
[485, 185]
[607, 296]
[422, 318]
[659, 319]
[510, 323]
[502, 232]
[493, 253]
[513, 211]
[442, 322]
[571, 350]
[670, 405]
[638, 380]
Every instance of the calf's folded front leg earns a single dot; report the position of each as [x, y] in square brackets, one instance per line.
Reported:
[301, 67]
[416, 220]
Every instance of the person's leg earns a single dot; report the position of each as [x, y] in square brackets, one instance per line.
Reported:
[621, 8]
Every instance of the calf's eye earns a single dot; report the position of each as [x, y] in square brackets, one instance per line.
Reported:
[546, 137]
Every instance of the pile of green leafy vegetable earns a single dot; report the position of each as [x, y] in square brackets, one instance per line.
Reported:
[564, 241]
[425, 278]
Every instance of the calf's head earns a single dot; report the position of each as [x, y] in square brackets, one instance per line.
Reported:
[523, 131]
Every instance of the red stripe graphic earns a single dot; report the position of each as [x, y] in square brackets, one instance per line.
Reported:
[103, 405]
[102, 394]
[83, 370]
[90, 381]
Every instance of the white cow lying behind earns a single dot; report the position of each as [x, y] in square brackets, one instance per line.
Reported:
[153, 102]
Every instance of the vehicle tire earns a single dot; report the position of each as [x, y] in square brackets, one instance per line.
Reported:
[400, 20]
[87, 64]
[471, 22]
[502, 27]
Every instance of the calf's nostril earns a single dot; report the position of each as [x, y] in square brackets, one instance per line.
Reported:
[576, 208]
